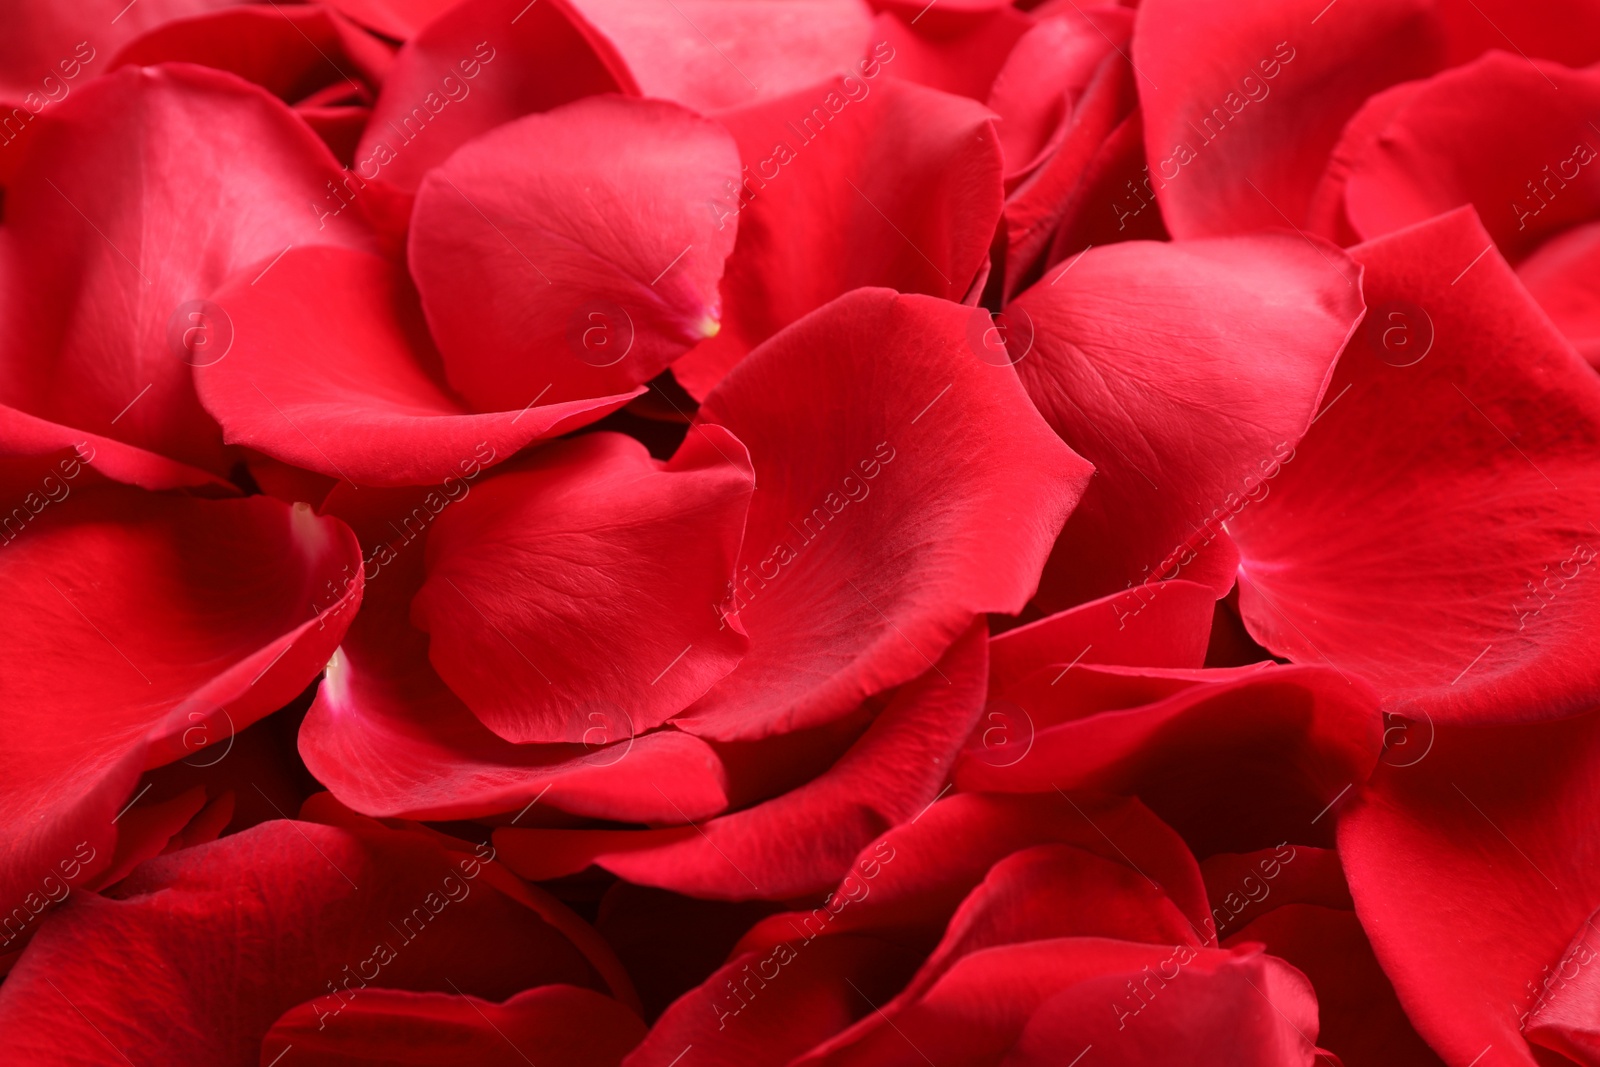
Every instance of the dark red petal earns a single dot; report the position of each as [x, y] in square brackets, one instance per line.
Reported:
[1114, 200]
[1230, 758]
[1043, 1002]
[478, 65]
[1243, 104]
[801, 841]
[69, 451]
[921, 489]
[139, 618]
[228, 936]
[1361, 1021]
[587, 578]
[1560, 276]
[920, 872]
[1503, 134]
[1171, 631]
[332, 370]
[1488, 822]
[773, 1006]
[291, 51]
[562, 1025]
[1567, 31]
[105, 221]
[1188, 409]
[575, 253]
[1434, 486]
[900, 186]
[1243, 886]
[400, 19]
[1036, 207]
[390, 739]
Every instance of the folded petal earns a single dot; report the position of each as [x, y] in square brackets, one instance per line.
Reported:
[1242, 105]
[389, 738]
[921, 489]
[804, 840]
[564, 1026]
[1432, 485]
[332, 370]
[146, 190]
[1187, 409]
[585, 578]
[1230, 758]
[477, 65]
[1170, 630]
[899, 186]
[1489, 822]
[295, 53]
[1559, 275]
[1503, 134]
[550, 262]
[228, 936]
[141, 618]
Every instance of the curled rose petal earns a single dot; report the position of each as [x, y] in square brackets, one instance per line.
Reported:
[332, 370]
[1461, 443]
[572, 254]
[232, 934]
[123, 234]
[585, 578]
[1189, 409]
[900, 186]
[1242, 105]
[142, 617]
[921, 490]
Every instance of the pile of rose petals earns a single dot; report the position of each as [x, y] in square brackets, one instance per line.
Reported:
[832, 533]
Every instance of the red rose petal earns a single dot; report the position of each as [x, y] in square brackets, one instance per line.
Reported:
[332, 370]
[1479, 135]
[1188, 409]
[1243, 104]
[141, 617]
[803, 840]
[921, 490]
[588, 577]
[901, 187]
[1171, 631]
[230, 935]
[144, 191]
[1492, 821]
[564, 1026]
[1229, 758]
[390, 739]
[293, 52]
[572, 254]
[1403, 543]
[478, 65]
[1560, 276]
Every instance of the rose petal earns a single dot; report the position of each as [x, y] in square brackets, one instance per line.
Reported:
[923, 490]
[143, 192]
[1403, 543]
[142, 617]
[900, 186]
[332, 370]
[1188, 409]
[572, 252]
[1243, 104]
[597, 569]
